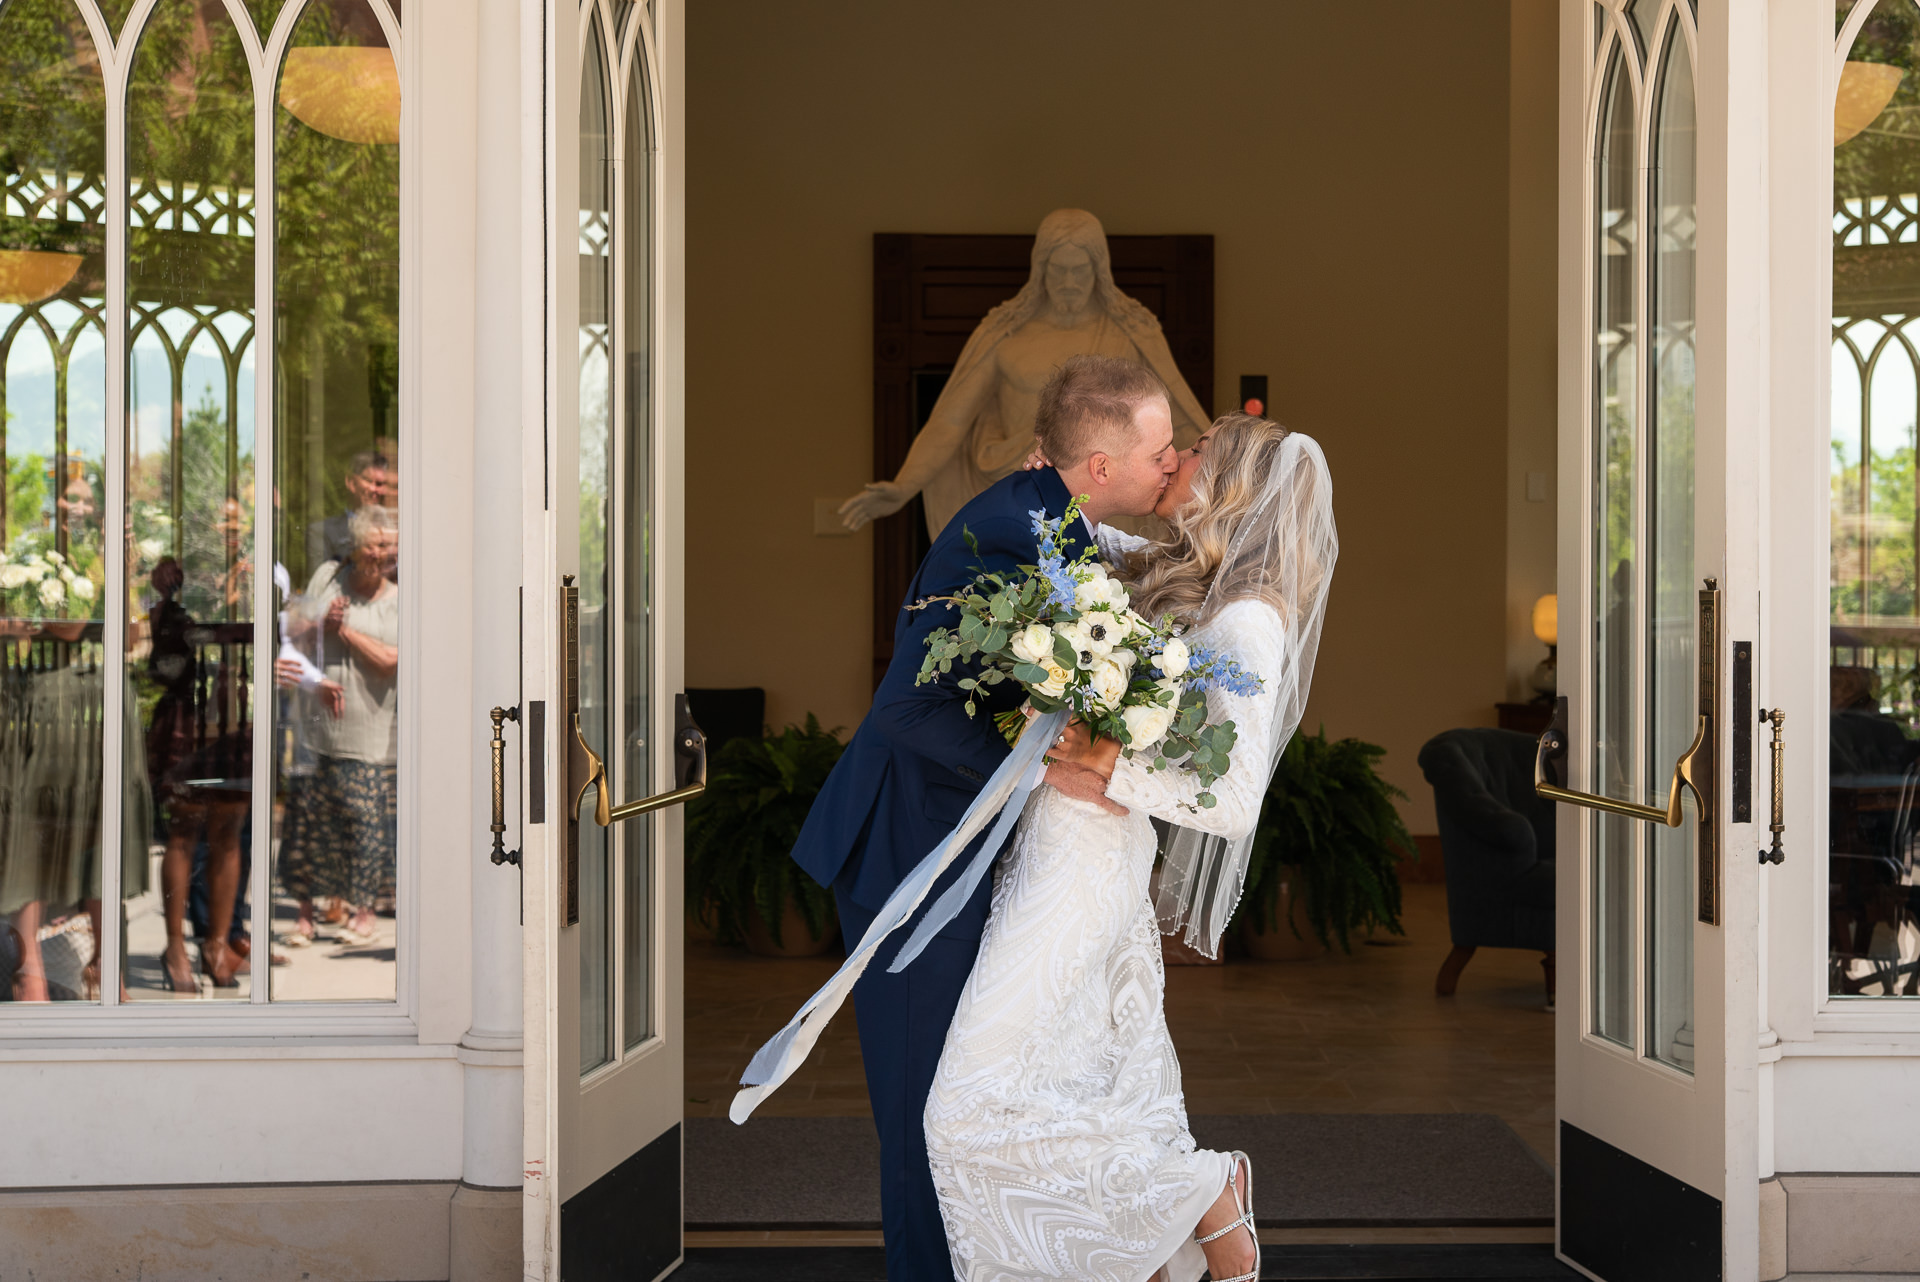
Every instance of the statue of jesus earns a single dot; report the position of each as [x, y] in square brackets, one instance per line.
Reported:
[981, 428]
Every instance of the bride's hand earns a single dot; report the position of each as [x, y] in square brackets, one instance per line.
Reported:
[1077, 746]
[1083, 784]
[1035, 460]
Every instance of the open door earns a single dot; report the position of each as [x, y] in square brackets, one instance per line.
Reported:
[1663, 399]
[606, 714]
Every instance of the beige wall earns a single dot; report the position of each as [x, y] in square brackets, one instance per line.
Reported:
[1353, 174]
[1532, 288]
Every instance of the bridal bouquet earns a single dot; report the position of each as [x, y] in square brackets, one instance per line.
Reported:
[1065, 632]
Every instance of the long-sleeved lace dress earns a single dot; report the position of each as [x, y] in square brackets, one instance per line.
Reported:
[1056, 1126]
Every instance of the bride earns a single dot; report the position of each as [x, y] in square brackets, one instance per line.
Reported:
[1056, 1127]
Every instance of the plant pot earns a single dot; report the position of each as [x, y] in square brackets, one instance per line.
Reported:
[1278, 943]
[794, 939]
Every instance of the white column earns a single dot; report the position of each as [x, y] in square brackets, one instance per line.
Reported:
[490, 1049]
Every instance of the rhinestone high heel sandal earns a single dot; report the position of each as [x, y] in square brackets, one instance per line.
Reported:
[1244, 1205]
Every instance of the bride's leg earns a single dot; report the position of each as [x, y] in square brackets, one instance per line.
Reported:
[1234, 1254]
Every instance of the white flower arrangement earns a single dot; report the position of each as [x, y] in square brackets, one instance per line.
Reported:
[44, 583]
[1065, 632]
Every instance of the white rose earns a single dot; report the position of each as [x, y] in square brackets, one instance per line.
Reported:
[52, 593]
[83, 589]
[1091, 592]
[1147, 724]
[1175, 658]
[1108, 682]
[1124, 657]
[12, 576]
[1033, 643]
[1057, 678]
[35, 570]
[1173, 685]
[150, 549]
[56, 558]
[66, 574]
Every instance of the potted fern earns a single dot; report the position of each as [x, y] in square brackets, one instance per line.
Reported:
[1325, 853]
[742, 883]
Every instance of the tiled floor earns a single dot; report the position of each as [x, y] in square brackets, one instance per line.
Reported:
[1362, 1034]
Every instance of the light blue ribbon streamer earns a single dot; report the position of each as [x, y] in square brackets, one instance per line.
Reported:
[948, 906]
[1003, 795]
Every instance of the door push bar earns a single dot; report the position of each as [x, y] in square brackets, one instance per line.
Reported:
[586, 770]
[1694, 771]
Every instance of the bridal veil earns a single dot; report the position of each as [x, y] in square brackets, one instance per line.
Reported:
[1283, 554]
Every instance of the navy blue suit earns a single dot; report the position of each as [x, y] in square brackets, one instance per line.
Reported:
[906, 778]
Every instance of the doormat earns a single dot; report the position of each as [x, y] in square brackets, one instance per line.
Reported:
[1310, 1170]
[1282, 1263]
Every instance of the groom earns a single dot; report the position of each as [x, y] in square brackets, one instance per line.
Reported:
[918, 761]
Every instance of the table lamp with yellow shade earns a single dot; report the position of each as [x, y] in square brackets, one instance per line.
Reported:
[1546, 626]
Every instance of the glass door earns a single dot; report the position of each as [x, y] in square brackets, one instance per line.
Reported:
[605, 1139]
[1652, 558]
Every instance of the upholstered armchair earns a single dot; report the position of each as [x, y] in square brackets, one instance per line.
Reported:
[1496, 840]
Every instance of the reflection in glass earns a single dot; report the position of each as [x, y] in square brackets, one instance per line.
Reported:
[189, 492]
[1874, 725]
[1673, 682]
[1616, 596]
[337, 535]
[595, 496]
[52, 451]
[636, 640]
[1644, 14]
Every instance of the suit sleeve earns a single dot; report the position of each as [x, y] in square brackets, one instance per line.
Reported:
[931, 720]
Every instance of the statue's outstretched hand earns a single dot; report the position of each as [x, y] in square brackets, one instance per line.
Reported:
[878, 499]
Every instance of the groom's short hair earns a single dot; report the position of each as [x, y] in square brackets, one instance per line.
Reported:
[1089, 404]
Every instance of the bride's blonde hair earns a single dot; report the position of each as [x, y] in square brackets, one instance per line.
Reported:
[1173, 573]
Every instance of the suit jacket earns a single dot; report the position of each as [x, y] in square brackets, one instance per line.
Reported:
[917, 761]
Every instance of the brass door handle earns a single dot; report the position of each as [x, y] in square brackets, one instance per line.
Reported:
[1683, 774]
[498, 746]
[1778, 854]
[584, 764]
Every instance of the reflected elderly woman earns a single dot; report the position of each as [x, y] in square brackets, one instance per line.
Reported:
[339, 834]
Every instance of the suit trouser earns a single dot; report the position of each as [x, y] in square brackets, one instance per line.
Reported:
[903, 1028]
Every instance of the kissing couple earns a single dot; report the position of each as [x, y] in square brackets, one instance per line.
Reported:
[1022, 1078]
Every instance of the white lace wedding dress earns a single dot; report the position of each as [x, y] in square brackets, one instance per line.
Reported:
[1056, 1126]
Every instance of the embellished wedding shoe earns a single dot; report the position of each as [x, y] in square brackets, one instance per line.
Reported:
[1241, 1162]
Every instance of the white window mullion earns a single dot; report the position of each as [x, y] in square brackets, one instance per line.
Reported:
[1642, 685]
[111, 944]
[265, 608]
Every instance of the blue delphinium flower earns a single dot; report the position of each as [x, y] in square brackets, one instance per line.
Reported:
[1211, 668]
[1054, 569]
